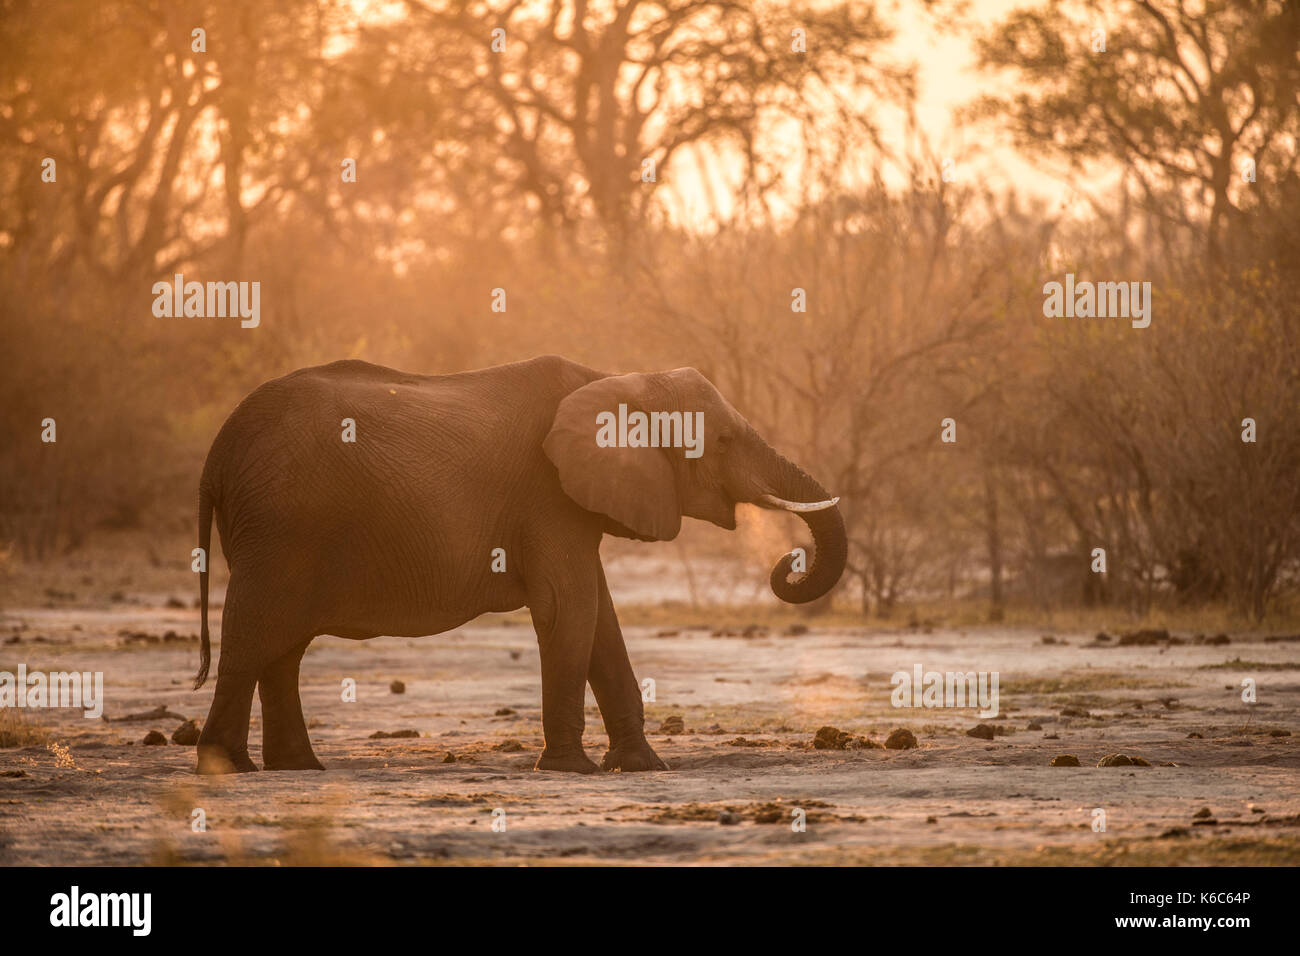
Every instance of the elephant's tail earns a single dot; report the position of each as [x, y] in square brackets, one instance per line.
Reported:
[205, 542]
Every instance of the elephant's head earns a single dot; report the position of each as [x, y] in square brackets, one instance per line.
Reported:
[613, 462]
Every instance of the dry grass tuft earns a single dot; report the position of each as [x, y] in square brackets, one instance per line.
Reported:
[17, 731]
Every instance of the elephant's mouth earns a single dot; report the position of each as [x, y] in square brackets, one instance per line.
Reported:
[726, 518]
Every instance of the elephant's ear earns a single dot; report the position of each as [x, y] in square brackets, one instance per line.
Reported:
[634, 486]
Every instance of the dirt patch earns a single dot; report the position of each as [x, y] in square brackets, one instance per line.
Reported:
[741, 750]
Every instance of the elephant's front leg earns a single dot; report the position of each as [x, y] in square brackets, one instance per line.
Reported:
[618, 693]
[563, 608]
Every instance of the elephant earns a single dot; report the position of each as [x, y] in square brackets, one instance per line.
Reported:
[394, 531]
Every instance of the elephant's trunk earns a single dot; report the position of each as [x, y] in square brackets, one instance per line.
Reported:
[792, 489]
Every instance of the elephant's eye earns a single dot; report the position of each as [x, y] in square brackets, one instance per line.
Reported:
[722, 443]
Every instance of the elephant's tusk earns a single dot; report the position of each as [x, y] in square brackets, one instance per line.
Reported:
[772, 501]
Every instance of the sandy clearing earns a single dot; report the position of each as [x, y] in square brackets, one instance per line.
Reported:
[954, 799]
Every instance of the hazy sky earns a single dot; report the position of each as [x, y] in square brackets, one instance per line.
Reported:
[947, 80]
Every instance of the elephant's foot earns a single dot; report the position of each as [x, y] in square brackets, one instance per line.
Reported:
[216, 759]
[297, 761]
[573, 761]
[632, 756]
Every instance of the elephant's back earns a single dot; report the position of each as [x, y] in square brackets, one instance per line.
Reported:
[331, 429]
[352, 447]
[534, 384]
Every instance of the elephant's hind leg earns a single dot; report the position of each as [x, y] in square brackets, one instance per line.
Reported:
[246, 652]
[223, 744]
[285, 744]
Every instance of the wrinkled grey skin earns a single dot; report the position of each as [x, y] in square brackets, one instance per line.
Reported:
[394, 534]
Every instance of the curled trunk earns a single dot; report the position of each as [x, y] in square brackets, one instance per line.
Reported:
[830, 543]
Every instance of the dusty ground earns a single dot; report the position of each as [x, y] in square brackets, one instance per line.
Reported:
[750, 706]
